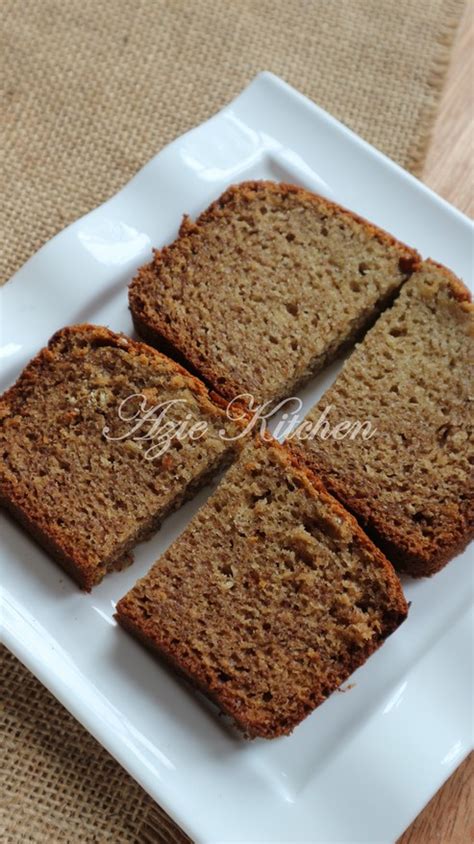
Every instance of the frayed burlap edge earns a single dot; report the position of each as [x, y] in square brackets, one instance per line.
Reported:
[436, 81]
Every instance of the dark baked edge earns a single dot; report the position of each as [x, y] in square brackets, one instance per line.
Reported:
[85, 572]
[191, 670]
[407, 555]
[157, 332]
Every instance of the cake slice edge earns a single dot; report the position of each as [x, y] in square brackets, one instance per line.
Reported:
[129, 618]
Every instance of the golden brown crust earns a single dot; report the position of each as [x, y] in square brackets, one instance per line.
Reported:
[191, 671]
[411, 553]
[406, 553]
[256, 723]
[157, 329]
[105, 336]
[246, 190]
[85, 571]
[48, 539]
[135, 348]
[457, 287]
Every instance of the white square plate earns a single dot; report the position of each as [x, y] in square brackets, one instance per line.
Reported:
[362, 765]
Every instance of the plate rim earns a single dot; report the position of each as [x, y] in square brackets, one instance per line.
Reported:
[19, 645]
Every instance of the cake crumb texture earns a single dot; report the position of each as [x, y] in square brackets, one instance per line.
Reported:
[266, 287]
[270, 598]
[411, 484]
[89, 500]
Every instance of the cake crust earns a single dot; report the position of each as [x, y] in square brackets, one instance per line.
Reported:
[265, 685]
[411, 486]
[259, 307]
[86, 500]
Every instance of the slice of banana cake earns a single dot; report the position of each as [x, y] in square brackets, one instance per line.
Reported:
[86, 483]
[411, 483]
[266, 287]
[270, 598]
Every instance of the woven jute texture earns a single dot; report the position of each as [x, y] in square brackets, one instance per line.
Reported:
[92, 90]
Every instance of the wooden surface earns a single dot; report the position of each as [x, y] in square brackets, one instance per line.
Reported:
[449, 167]
[448, 817]
[449, 170]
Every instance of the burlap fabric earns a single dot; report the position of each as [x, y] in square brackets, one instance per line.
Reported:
[92, 90]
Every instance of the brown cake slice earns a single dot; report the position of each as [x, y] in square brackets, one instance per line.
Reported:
[411, 483]
[86, 497]
[270, 598]
[269, 285]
